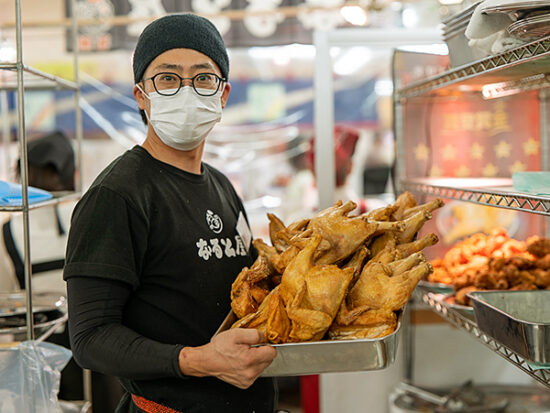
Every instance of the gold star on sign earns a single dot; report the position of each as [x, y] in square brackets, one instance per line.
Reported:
[502, 149]
[476, 151]
[531, 147]
[449, 152]
[490, 170]
[463, 171]
[517, 167]
[421, 152]
[436, 171]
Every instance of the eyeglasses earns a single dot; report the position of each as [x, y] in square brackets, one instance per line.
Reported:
[168, 83]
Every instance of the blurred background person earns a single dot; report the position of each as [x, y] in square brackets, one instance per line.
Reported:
[51, 167]
[301, 194]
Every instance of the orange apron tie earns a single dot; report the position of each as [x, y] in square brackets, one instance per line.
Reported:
[150, 406]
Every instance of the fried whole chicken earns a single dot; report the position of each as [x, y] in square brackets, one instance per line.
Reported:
[333, 274]
[312, 293]
[384, 286]
[251, 287]
[346, 234]
[271, 319]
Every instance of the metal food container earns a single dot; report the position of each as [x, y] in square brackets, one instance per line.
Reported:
[14, 302]
[461, 16]
[49, 310]
[330, 356]
[454, 27]
[521, 399]
[520, 320]
[449, 301]
[460, 52]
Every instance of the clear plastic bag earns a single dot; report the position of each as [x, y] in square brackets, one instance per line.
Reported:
[29, 377]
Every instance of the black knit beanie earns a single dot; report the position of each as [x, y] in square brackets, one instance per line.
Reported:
[175, 31]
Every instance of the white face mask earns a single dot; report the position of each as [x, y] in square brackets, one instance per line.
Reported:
[182, 121]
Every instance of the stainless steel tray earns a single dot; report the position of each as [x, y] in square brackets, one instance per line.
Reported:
[516, 7]
[330, 356]
[531, 28]
[520, 320]
[461, 15]
[436, 287]
[450, 301]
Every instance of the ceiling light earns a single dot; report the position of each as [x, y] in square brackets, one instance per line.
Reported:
[354, 15]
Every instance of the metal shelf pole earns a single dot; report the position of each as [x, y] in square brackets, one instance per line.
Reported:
[22, 137]
[86, 374]
[544, 142]
[399, 163]
[78, 111]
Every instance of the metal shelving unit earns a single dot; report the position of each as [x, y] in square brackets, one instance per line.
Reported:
[484, 193]
[523, 67]
[21, 78]
[470, 326]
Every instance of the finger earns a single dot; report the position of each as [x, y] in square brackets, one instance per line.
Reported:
[264, 354]
[248, 336]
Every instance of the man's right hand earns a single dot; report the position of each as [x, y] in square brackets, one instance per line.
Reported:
[230, 357]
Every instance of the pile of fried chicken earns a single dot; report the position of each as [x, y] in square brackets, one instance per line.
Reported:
[473, 253]
[494, 262]
[335, 274]
[530, 271]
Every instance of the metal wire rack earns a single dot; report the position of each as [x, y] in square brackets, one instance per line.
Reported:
[501, 197]
[522, 62]
[470, 326]
[33, 78]
[71, 196]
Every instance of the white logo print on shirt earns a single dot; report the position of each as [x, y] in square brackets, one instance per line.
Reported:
[214, 222]
[219, 247]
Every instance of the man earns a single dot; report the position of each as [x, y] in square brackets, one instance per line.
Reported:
[159, 237]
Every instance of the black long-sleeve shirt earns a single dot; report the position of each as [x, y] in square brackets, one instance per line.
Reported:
[151, 256]
[101, 342]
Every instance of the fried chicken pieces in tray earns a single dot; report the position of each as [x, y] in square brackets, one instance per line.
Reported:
[494, 262]
[335, 275]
